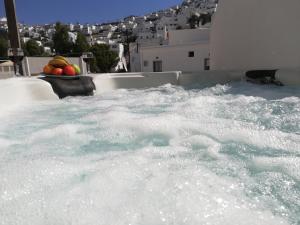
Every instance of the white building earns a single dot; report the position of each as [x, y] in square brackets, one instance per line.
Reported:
[50, 33]
[78, 27]
[6, 69]
[47, 50]
[256, 34]
[25, 39]
[71, 27]
[3, 23]
[187, 50]
[3, 20]
[87, 30]
[102, 37]
[72, 37]
[168, 22]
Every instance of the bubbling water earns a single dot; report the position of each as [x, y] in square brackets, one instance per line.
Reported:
[227, 154]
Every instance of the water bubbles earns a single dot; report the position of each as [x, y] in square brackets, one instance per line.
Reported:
[227, 154]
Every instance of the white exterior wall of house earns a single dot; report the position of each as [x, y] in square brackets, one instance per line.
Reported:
[135, 59]
[256, 34]
[175, 54]
[188, 36]
[175, 57]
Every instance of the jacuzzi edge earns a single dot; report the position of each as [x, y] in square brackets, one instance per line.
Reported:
[34, 89]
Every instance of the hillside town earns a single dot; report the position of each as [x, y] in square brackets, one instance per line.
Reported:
[133, 38]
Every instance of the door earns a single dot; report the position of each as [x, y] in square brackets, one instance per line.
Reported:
[157, 66]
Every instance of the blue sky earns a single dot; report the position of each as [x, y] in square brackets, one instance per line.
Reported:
[83, 11]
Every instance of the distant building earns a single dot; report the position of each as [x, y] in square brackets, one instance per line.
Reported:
[187, 50]
[87, 30]
[71, 27]
[25, 39]
[72, 37]
[47, 50]
[3, 20]
[6, 69]
[3, 23]
[78, 27]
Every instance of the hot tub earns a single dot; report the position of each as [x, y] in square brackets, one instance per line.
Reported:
[224, 154]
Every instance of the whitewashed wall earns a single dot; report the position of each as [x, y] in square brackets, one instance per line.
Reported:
[256, 34]
[177, 37]
[175, 58]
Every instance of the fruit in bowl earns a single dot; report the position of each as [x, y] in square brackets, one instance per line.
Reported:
[59, 65]
[69, 70]
[59, 62]
[57, 71]
[77, 69]
[48, 69]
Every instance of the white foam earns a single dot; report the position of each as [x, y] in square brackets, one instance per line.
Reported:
[146, 187]
[290, 165]
[143, 157]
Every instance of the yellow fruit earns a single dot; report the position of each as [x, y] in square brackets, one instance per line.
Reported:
[61, 58]
[77, 69]
[58, 63]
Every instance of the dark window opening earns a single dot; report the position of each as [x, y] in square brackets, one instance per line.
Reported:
[192, 54]
[206, 64]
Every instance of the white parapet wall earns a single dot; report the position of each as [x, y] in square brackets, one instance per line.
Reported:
[15, 91]
[112, 81]
[108, 82]
[209, 77]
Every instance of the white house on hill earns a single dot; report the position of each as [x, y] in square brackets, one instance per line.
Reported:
[187, 50]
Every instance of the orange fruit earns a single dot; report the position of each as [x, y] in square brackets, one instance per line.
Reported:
[48, 69]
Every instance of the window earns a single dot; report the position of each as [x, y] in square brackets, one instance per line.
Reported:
[146, 63]
[157, 66]
[206, 64]
[191, 54]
